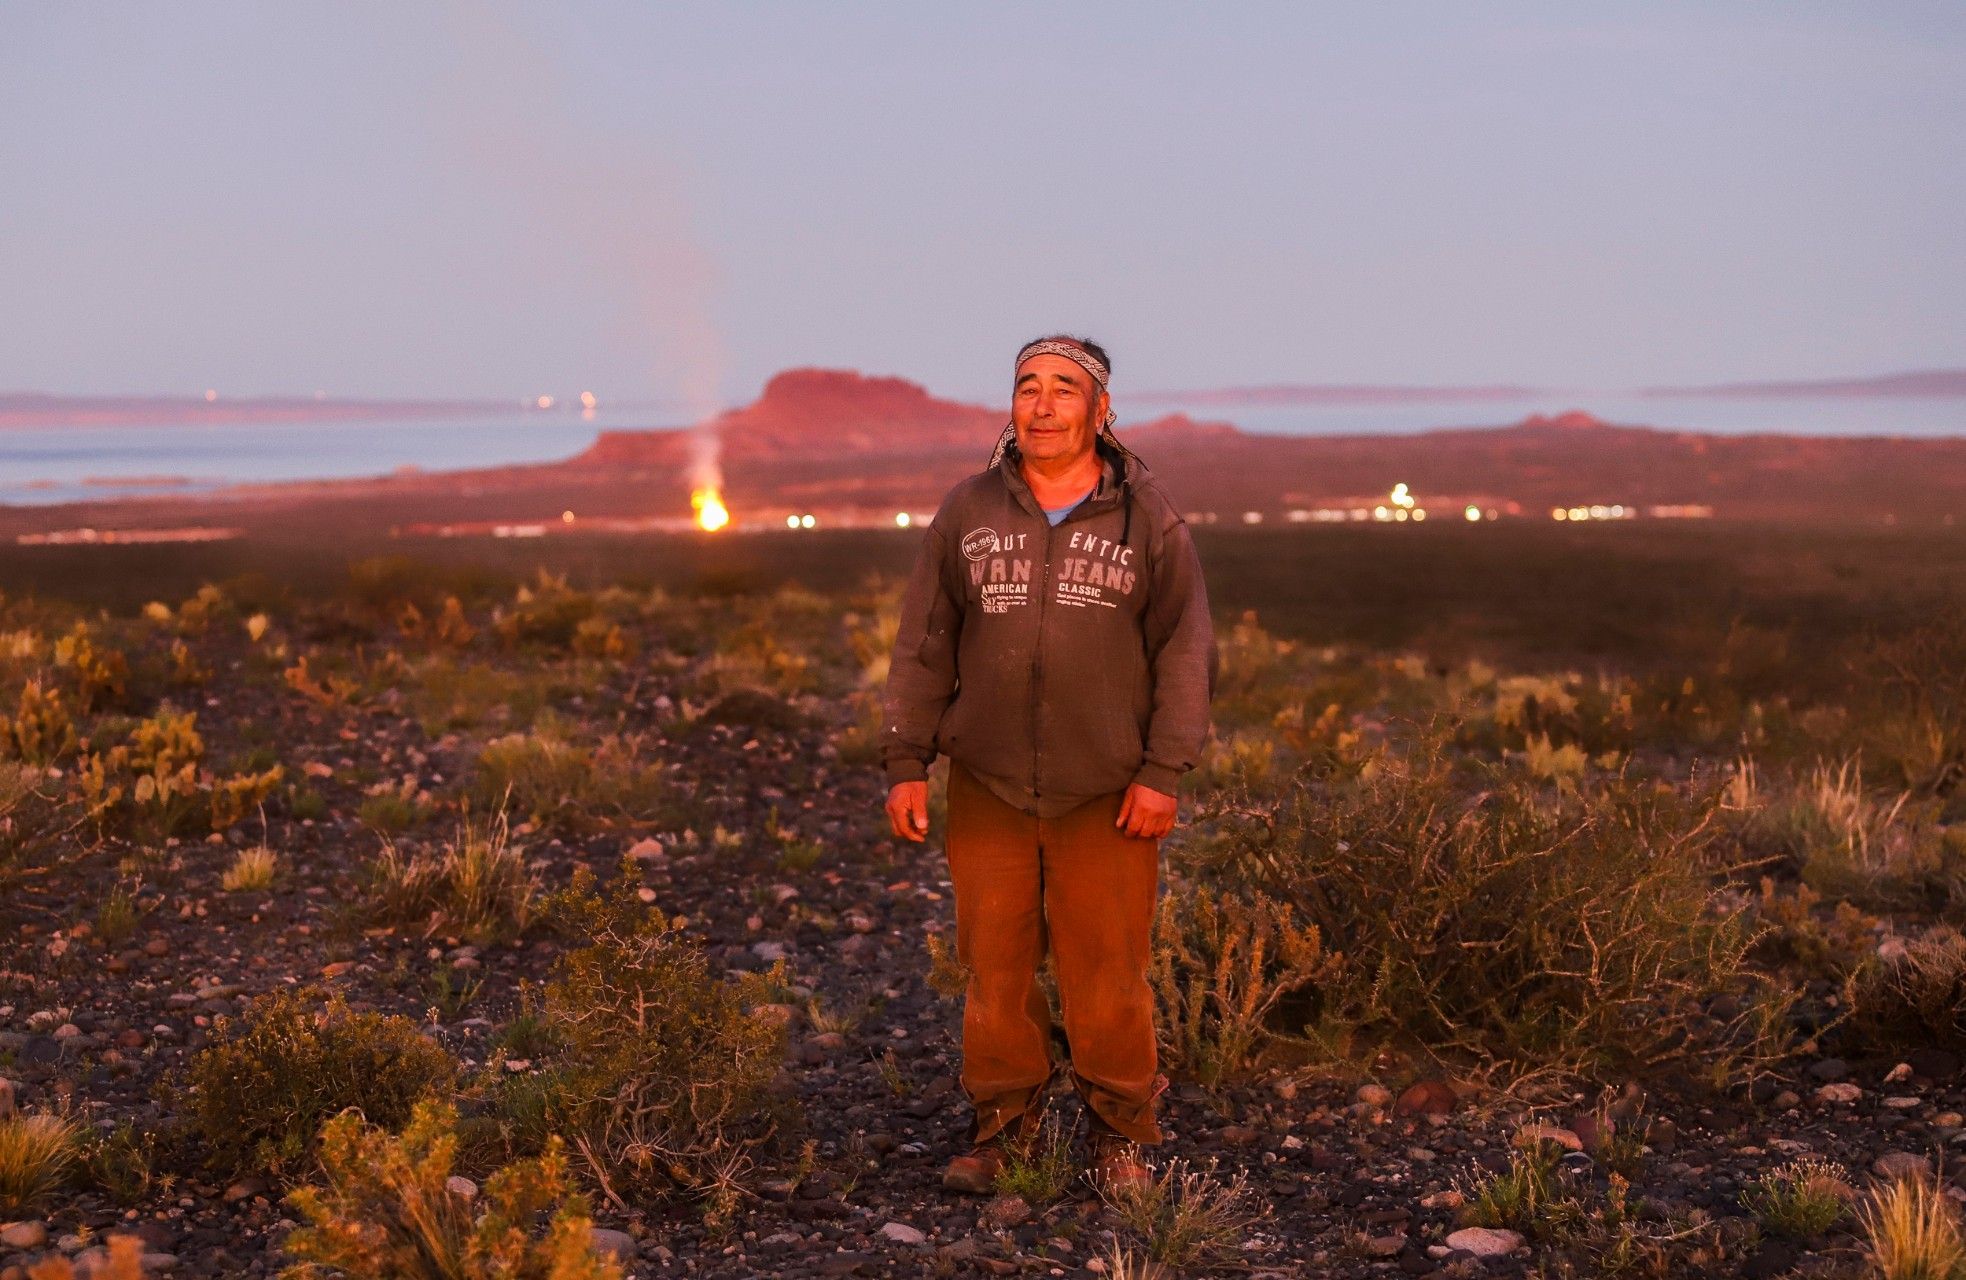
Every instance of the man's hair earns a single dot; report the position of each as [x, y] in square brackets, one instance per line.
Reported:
[1098, 352]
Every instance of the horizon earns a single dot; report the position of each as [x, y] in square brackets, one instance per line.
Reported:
[491, 202]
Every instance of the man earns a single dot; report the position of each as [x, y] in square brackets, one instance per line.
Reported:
[1055, 644]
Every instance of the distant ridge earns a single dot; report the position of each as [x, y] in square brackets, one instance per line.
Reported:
[1924, 382]
[1289, 393]
[35, 409]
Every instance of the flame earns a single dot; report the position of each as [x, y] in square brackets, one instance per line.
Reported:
[711, 513]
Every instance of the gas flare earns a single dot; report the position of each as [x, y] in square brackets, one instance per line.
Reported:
[711, 514]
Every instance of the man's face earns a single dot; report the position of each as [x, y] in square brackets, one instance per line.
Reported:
[1056, 407]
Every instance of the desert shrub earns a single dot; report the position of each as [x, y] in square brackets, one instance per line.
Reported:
[121, 1259]
[323, 688]
[31, 818]
[477, 885]
[545, 614]
[261, 1090]
[1803, 933]
[386, 1209]
[1516, 1198]
[40, 731]
[1846, 841]
[1188, 1219]
[97, 675]
[253, 870]
[1477, 913]
[1221, 967]
[38, 1153]
[1914, 1231]
[1801, 1199]
[754, 655]
[660, 1076]
[450, 629]
[446, 694]
[1917, 727]
[156, 784]
[573, 787]
[391, 807]
[1039, 1169]
[1915, 995]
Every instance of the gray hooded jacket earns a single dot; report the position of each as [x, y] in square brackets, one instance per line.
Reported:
[1057, 663]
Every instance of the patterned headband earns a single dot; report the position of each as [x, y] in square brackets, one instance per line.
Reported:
[1071, 351]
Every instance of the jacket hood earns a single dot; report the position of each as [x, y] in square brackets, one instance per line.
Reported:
[1120, 476]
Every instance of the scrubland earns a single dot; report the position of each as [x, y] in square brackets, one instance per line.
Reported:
[1552, 905]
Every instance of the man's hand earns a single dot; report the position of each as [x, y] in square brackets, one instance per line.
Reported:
[1144, 812]
[907, 810]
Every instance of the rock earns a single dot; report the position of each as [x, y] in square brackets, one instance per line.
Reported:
[1841, 1093]
[1901, 1164]
[156, 1264]
[1662, 1135]
[23, 1235]
[1485, 1242]
[1531, 1134]
[902, 1233]
[1385, 1246]
[1375, 1095]
[646, 850]
[1828, 1069]
[1898, 1074]
[243, 1190]
[157, 948]
[1426, 1098]
[618, 1245]
[7, 1103]
[1238, 1135]
[1592, 1132]
[461, 1187]
[1004, 1212]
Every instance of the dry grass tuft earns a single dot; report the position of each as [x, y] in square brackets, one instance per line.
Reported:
[37, 1154]
[1914, 1231]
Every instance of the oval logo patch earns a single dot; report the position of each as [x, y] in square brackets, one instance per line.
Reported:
[979, 543]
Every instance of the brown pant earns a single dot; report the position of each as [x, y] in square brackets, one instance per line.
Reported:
[1080, 884]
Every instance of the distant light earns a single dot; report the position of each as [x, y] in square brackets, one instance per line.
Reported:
[1472, 512]
[1379, 513]
[1401, 496]
[566, 517]
[1419, 513]
[587, 400]
[1400, 514]
[806, 521]
[1491, 513]
[544, 402]
[1252, 517]
[902, 518]
[1558, 513]
[791, 522]
[210, 395]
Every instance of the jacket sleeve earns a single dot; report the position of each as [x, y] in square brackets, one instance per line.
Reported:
[1182, 655]
[921, 677]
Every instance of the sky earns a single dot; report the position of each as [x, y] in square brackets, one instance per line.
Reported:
[675, 201]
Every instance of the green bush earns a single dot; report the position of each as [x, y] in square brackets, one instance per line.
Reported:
[660, 1074]
[1569, 928]
[573, 787]
[478, 885]
[261, 1090]
[387, 1209]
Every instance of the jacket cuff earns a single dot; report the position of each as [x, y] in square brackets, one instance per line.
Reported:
[906, 769]
[1159, 777]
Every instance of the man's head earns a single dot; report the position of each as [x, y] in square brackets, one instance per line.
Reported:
[1058, 400]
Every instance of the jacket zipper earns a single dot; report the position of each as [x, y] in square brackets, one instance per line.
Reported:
[1037, 660]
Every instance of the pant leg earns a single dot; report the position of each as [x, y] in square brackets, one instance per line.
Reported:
[1000, 938]
[1100, 887]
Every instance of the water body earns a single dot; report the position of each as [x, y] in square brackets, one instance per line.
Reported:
[39, 466]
